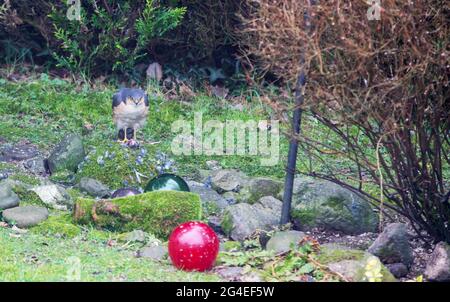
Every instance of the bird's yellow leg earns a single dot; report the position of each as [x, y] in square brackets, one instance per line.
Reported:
[125, 139]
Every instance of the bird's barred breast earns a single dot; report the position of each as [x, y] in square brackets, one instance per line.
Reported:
[129, 115]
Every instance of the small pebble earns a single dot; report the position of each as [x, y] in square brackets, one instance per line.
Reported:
[100, 161]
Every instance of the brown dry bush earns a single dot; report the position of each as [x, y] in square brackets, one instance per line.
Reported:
[380, 86]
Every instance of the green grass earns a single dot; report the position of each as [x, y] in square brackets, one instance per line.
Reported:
[49, 109]
[36, 257]
[44, 110]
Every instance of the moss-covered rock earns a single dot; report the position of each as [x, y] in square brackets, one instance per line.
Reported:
[67, 155]
[259, 187]
[54, 196]
[117, 166]
[64, 177]
[8, 199]
[354, 265]
[58, 225]
[319, 203]
[333, 253]
[241, 220]
[156, 212]
[212, 202]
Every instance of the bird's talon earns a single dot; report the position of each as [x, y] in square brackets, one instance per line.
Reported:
[123, 141]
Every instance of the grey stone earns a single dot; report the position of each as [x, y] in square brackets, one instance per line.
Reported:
[242, 219]
[399, 270]
[212, 201]
[135, 236]
[54, 196]
[438, 266]
[4, 175]
[68, 154]
[157, 252]
[272, 203]
[259, 187]
[214, 223]
[231, 197]
[93, 187]
[24, 217]
[8, 199]
[201, 175]
[36, 166]
[16, 184]
[230, 273]
[319, 203]
[228, 180]
[213, 165]
[19, 152]
[281, 242]
[253, 276]
[392, 245]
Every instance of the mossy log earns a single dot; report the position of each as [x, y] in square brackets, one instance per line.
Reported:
[156, 212]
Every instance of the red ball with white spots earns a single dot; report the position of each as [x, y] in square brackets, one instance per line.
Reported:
[193, 246]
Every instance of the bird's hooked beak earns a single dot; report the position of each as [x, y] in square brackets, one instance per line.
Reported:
[136, 101]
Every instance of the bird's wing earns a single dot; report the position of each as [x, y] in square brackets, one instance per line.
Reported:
[146, 102]
[117, 99]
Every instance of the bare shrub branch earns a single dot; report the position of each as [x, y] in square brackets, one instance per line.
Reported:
[372, 83]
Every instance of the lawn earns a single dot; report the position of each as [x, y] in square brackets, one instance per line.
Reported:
[36, 257]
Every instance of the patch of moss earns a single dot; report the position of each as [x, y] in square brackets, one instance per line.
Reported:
[25, 178]
[230, 246]
[99, 235]
[260, 187]
[7, 166]
[28, 197]
[74, 193]
[210, 208]
[58, 225]
[227, 223]
[82, 210]
[305, 216]
[329, 255]
[116, 166]
[64, 177]
[335, 203]
[387, 275]
[156, 212]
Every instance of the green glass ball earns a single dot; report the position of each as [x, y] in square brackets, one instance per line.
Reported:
[165, 182]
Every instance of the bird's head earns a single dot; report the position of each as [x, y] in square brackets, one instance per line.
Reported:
[135, 101]
[135, 97]
[130, 97]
